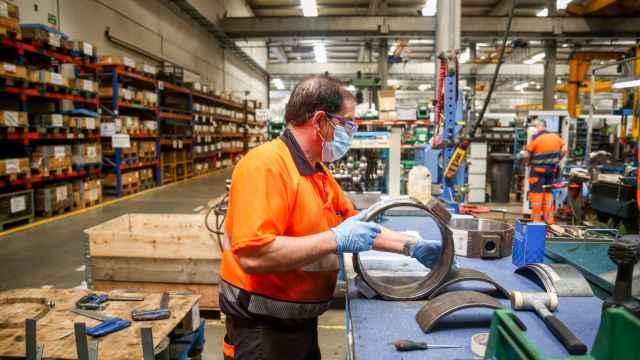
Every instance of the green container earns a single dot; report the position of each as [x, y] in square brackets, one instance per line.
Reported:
[617, 339]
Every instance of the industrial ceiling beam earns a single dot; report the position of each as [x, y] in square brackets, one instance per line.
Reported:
[478, 27]
[279, 53]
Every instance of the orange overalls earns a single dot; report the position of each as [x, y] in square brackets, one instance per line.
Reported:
[546, 152]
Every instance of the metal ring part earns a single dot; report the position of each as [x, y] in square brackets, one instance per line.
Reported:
[445, 304]
[421, 289]
[562, 279]
[464, 274]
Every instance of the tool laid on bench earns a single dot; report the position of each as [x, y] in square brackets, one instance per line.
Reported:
[92, 302]
[155, 314]
[109, 324]
[125, 295]
[543, 303]
[410, 345]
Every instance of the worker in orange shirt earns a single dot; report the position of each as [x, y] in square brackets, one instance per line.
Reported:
[288, 222]
[544, 153]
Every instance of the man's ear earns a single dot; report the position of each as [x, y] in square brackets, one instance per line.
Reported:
[317, 119]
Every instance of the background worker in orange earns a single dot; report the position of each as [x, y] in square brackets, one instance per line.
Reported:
[287, 224]
[544, 153]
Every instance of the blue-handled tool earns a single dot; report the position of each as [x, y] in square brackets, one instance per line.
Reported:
[109, 324]
[160, 313]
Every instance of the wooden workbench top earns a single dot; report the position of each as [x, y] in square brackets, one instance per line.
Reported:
[58, 321]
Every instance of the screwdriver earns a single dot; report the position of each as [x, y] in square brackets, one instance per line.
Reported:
[409, 345]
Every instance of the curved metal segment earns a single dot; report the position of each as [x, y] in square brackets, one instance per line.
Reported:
[420, 289]
[464, 274]
[562, 279]
[447, 303]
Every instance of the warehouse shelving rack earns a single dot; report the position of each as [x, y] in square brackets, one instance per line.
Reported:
[23, 93]
[119, 75]
[176, 131]
[252, 140]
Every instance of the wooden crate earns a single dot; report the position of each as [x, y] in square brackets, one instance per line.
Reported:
[155, 252]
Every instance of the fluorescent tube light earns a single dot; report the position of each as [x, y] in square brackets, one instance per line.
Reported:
[464, 57]
[430, 8]
[277, 82]
[521, 86]
[562, 4]
[309, 7]
[423, 87]
[626, 84]
[321, 53]
[543, 12]
[535, 58]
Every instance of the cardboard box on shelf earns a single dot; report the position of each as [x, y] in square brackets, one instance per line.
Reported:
[10, 23]
[48, 158]
[388, 115]
[9, 9]
[14, 166]
[40, 34]
[13, 71]
[84, 48]
[116, 60]
[48, 77]
[54, 198]
[386, 100]
[86, 85]
[87, 193]
[147, 69]
[85, 122]
[50, 121]
[13, 119]
[87, 153]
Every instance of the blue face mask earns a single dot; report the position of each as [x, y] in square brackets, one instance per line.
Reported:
[334, 150]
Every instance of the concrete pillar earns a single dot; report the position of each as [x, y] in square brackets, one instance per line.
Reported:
[549, 86]
[448, 20]
[383, 64]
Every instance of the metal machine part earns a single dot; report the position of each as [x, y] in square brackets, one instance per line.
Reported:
[625, 253]
[561, 279]
[86, 349]
[33, 350]
[464, 274]
[543, 303]
[481, 237]
[421, 289]
[434, 310]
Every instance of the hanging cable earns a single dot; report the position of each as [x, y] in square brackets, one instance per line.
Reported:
[496, 72]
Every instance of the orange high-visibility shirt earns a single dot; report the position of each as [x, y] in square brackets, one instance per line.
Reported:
[545, 149]
[276, 192]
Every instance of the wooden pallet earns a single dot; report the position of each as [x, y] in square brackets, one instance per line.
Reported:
[28, 219]
[58, 211]
[15, 177]
[46, 172]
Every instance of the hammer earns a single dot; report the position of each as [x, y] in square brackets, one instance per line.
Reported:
[543, 303]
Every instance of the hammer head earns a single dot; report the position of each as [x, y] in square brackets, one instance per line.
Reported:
[521, 300]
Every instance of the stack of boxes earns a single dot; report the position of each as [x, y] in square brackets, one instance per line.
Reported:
[477, 172]
[387, 105]
[13, 119]
[87, 193]
[9, 19]
[54, 198]
[47, 160]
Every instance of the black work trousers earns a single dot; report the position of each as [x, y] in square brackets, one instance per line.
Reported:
[264, 340]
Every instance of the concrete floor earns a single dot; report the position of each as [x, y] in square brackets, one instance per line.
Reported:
[52, 254]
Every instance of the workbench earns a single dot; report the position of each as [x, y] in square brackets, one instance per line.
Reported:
[373, 324]
[53, 329]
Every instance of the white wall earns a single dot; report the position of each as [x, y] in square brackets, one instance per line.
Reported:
[161, 30]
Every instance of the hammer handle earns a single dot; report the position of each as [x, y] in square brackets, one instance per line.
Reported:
[560, 330]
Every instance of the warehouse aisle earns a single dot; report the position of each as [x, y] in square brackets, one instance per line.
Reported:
[52, 254]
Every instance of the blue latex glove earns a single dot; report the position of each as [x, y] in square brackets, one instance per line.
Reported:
[427, 252]
[354, 235]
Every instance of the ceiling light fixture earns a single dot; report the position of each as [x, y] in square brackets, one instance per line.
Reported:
[351, 88]
[465, 56]
[562, 4]
[626, 84]
[423, 87]
[277, 82]
[521, 86]
[309, 7]
[543, 12]
[321, 53]
[430, 8]
[535, 58]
